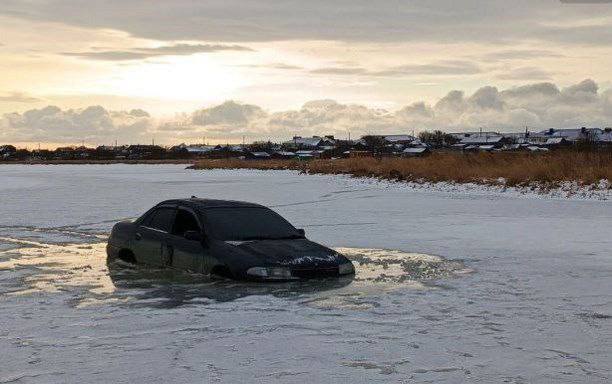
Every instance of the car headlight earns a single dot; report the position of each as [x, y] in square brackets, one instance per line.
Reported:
[346, 268]
[273, 273]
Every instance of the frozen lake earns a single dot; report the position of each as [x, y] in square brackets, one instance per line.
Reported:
[449, 287]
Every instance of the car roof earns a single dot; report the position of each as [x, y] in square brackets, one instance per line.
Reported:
[199, 203]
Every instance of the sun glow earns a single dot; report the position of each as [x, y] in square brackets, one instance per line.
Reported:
[197, 77]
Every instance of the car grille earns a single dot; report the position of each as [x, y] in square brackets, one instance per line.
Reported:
[306, 273]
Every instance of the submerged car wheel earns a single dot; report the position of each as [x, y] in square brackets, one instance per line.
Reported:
[222, 271]
[127, 256]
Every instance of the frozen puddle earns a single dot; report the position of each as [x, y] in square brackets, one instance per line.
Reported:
[30, 267]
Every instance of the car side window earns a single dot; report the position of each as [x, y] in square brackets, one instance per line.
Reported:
[185, 221]
[161, 219]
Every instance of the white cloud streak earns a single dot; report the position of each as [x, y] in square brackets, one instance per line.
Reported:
[145, 53]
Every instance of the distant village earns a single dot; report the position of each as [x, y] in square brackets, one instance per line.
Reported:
[305, 148]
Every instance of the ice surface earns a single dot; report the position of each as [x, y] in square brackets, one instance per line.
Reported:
[464, 284]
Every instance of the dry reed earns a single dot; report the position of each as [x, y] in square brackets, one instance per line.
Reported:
[584, 167]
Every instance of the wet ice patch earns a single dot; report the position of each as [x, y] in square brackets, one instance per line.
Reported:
[35, 262]
[33, 267]
[394, 266]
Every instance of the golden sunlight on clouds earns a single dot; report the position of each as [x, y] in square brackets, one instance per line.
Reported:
[172, 59]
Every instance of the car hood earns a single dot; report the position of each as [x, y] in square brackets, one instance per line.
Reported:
[293, 253]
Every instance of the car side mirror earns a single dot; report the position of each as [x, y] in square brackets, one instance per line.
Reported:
[301, 231]
[193, 236]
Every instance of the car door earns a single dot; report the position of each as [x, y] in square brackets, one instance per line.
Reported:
[187, 254]
[151, 236]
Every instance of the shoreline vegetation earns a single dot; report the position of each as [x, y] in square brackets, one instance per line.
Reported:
[546, 170]
[542, 170]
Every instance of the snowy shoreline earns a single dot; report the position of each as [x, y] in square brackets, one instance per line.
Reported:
[601, 191]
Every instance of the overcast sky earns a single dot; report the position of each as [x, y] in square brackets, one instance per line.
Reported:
[94, 70]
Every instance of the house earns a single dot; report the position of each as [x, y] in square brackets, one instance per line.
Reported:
[7, 151]
[310, 142]
[485, 142]
[534, 148]
[485, 139]
[531, 138]
[74, 153]
[283, 155]
[107, 152]
[354, 153]
[461, 135]
[487, 148]
[257, 155]
[306, 155]
[604, 137]
[399, 139]
[458, 146]
[391, 141]
[555, 142]
[140, 151]
[575, 135]
[415, 151]
[193, 149]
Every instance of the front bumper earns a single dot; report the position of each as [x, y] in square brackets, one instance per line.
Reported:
[286, 273]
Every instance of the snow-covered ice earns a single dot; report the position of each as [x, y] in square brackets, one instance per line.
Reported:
[457, 284]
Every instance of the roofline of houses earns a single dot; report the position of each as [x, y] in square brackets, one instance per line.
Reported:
[328, 146]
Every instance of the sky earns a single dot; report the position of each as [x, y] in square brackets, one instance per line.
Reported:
[191, 71]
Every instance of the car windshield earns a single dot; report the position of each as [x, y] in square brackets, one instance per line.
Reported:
[248, 223]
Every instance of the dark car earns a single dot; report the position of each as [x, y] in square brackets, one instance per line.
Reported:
[227, 238]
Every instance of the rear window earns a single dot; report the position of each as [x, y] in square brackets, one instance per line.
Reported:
[161, 219]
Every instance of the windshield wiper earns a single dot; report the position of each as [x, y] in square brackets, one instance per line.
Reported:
[271, 237]
[257, 238]
[290, 237]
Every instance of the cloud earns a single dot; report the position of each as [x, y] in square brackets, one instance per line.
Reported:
[525, 73]
[19, 97]
[339, 71]
[447, 67]
[520, 54]
[228, 113]
[93, 123]
[539, 105]
[441, 21]
[144, 53]
[282, 66]
[439, 68]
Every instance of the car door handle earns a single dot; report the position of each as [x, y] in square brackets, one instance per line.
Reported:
[138, 236]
